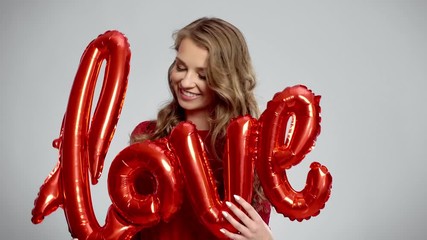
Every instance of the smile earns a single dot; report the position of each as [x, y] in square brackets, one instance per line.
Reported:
[188, 94]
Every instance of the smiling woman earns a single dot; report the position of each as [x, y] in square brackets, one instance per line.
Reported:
[212, 82]
[188, 78]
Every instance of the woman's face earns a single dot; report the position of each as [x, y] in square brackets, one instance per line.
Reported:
[188, 78]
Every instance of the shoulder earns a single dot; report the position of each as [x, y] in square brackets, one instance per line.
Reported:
[144, 127]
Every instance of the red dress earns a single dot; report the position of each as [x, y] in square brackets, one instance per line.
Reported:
[184, 224]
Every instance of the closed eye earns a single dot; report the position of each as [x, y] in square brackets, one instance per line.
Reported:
[180, 67]
[202, 76]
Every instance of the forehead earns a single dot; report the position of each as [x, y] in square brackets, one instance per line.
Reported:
[191, 54]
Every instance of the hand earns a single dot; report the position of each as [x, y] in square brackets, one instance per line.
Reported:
[251, 227]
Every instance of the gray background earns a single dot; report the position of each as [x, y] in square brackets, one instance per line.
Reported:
[367, 59]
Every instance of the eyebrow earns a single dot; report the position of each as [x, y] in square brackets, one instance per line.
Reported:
[177, 59]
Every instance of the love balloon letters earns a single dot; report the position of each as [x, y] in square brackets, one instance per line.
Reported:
[175, 165]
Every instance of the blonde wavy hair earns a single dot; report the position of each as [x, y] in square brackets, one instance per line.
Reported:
[229, 74]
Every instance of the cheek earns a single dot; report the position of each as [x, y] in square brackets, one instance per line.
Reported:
[174, 81]
[175, 77]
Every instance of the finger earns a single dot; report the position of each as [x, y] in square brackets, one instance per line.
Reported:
[253, 214]
[236, 224]
[231, 235]
[247, 221]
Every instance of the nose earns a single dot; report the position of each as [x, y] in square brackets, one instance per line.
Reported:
[189, 80]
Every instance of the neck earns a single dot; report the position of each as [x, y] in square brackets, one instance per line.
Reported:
[200, 119]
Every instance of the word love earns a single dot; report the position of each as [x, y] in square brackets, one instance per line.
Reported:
[147, 181]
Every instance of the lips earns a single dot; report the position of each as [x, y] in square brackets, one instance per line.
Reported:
[187, 95]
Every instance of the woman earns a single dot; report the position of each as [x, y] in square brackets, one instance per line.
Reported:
[212, 81]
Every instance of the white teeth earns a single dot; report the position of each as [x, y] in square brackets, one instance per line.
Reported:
[189, 94]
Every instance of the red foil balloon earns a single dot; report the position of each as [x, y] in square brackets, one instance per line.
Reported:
[198, 177]
[238, 159]
[144, 184]
[83, 143]
[276, 154]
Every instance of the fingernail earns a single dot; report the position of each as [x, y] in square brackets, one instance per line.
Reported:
[236, 197]
[228, 203]
[222, 230]
[225, 213]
